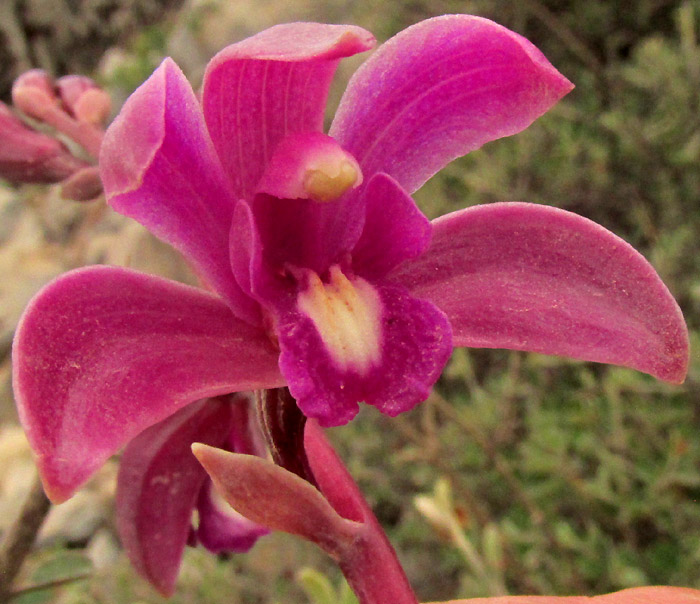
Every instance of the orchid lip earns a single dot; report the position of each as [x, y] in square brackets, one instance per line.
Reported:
[347, 315]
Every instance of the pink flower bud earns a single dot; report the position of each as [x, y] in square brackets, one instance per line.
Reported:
[34, 92]
[83, 99]
[30, 156]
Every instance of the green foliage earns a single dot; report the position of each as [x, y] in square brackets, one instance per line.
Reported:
[320, 590]
[144, 55]
[53, 570]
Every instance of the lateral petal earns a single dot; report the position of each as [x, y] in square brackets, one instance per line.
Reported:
[394, 228]
[158, 486]
[438, 90]
[104, 352]
[259, 90]
[159, 167]
[530, 277]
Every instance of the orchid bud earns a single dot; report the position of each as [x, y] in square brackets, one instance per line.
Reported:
[34, 93]
[30, 156]
[84, 99]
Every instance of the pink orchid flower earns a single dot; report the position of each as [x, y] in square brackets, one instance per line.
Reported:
[325, 276]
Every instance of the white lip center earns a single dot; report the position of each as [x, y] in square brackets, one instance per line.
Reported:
[347, 315]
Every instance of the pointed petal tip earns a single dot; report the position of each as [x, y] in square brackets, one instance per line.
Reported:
[356, 40]
[56, 493]
[133, 139]
[203, 452]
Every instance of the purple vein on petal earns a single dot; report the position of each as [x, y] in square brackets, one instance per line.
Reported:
[529, 277]
[438, 90]
[104, 352]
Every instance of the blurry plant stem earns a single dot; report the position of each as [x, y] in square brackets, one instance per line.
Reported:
[19, 538]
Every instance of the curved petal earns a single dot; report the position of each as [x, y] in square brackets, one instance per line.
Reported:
[394, 228]
[438, 90]
[529, 277]
[350, 341]
[636, 595]
[221, 528]
[159, 167]
[259, 90]
[103, 352]
[158, 486]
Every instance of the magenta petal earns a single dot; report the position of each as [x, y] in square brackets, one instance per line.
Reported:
[259, 90]
[221, 528]
[405, 346]
[438, 90]
[272, 496]
[158, 486]
[103, 352]
[159, 167]
[529, 277]
[394, 228]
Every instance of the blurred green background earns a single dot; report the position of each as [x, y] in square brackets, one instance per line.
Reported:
[521, 474]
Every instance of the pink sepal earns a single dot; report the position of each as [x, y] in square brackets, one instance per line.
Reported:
[531, 277]
[103, 352]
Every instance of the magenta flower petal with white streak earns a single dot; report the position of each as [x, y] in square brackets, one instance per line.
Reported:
[260, 90]
[158, 166]
[387, 351]
[159, 484]
[530, 277]
[440, 89]
[104, 352]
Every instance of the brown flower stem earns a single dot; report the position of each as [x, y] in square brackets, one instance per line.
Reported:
[49, 585]
[19, 538]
